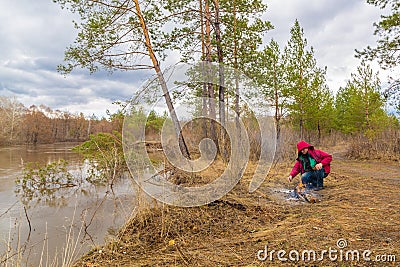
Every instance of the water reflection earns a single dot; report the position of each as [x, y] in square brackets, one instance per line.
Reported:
[85, 213]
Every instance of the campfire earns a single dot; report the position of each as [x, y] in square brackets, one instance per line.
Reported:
[302, 193]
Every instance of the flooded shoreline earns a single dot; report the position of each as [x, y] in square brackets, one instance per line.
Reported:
[42, 230]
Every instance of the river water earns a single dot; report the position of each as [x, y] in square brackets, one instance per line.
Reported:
[61, 229]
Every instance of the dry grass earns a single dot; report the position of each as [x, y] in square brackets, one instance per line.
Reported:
[385, 145]
[360, 204]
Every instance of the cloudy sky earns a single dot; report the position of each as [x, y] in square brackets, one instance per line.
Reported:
[35, 33]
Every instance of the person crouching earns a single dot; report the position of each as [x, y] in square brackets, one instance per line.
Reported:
[312, 164]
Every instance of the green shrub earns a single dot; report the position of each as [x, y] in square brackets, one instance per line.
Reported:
[105, 154]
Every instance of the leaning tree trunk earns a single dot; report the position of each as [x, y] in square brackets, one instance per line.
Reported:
[162, 82]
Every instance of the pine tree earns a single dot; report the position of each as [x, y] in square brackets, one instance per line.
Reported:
[228, 32]
[120, 36]
[320, 112]
[272, 80]
[387, 50]
[359, 104]
[305, 81]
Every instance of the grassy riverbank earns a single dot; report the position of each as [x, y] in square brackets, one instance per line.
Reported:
[360, 204]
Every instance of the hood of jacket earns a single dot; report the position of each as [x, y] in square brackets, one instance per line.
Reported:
[303, 144]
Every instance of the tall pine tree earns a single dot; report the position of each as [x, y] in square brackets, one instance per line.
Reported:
[360, 106]
[305, 81]
[272, 80]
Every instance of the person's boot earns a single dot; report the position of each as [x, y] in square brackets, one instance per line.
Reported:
[320, 184]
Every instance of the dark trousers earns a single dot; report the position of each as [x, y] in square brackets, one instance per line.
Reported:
[313, 178]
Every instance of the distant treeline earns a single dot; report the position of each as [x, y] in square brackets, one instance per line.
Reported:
[40, 124]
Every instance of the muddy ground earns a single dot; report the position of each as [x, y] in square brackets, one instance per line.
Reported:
[359, 212]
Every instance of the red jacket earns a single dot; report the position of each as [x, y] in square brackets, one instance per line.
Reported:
[319, 156]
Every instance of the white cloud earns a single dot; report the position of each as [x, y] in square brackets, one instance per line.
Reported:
[34, 36]
[94, 105]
